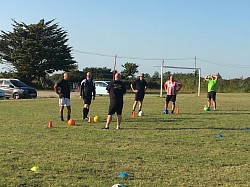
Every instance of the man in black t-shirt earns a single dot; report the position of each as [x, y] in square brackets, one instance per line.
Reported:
[62, 88]
[139, 86]
[116, 90]
[87, 92]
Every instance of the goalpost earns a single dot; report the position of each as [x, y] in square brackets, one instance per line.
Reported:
[199, 71]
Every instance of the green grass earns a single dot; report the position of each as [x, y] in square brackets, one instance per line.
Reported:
[155, 150]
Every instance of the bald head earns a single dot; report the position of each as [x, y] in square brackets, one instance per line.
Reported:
[66, 76]
[117, 76]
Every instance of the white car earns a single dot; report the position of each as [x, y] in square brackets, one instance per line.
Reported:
[2, 94]
[100, 87]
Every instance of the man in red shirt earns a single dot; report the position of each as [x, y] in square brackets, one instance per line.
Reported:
[171, 87]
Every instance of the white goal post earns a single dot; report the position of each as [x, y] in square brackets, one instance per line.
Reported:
[199, 70]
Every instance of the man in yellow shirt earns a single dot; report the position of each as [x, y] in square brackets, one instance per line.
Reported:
[212, 89]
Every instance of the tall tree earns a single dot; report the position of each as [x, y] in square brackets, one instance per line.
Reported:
[130, 69]
[36, 50]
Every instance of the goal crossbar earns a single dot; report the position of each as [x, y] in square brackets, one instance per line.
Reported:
[176, 67]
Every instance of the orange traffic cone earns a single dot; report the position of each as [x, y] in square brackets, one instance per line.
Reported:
[90, 120]
[133, 114]
[177, 111]
[50, 124]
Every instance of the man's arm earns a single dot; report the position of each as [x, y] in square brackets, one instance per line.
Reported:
[132, 87]
[215, 76]
[207, 77]
[57, 90]
[94, 91]
[179, 87]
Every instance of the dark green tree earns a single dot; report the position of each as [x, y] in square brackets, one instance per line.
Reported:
[130, 69]
[36, 50]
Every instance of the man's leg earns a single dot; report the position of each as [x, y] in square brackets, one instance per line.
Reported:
[134, 105]
[173, 107]
[109, 118]
[69, 112]
[208, 102]
[85, 110]
[166, 105]
[214, 103]
[140, 105]
[119, 120]
[61, 112]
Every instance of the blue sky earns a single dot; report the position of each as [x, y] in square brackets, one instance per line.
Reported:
[215, 31]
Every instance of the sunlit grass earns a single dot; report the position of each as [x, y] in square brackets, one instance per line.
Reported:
[155, 150]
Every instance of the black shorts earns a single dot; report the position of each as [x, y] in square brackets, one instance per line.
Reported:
[115, 108]
[171, 98]
[139, 96]
[87, 100]
[211, 95]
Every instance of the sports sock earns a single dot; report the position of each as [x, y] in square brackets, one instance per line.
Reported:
[61, 118]
[68, 117]
[87, 112]
[84, 113]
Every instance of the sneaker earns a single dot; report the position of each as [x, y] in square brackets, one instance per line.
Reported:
[105, 128]
[61, 118]
[118, 127]
[172, 112]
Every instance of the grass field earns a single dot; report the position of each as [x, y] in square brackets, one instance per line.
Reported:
[156, 150]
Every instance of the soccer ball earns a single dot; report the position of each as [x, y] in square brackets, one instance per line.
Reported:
[165, 111]
[141, 113]
[118, 185]
[206, 108]
[96, 118]
[71, 122]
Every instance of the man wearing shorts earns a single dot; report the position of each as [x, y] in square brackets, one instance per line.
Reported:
[171, 87]
[139, 87]
[212, 89]
[62, 88]
[87, 92]
[116, 90]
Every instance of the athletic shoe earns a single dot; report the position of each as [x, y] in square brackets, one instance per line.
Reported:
[172, 112]
[105, 128]
[118, 127]
[61, 118]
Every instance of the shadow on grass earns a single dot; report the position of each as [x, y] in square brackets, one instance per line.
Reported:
[201, 128]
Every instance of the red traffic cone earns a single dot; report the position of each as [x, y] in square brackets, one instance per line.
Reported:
[177, 111]
[90, 120]
[50, 124]
[133, 114]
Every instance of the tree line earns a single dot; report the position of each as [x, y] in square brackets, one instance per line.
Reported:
[35, 52]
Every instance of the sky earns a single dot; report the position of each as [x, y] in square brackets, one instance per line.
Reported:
[209, 34]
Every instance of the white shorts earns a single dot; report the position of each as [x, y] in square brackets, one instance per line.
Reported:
[64, 101]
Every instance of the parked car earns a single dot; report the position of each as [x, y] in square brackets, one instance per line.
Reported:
[2, 94]
[101, 87]
[16, 89]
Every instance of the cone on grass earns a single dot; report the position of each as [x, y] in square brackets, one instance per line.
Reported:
[50, 124]
[177, 111]
[90, 120]
[133, 114]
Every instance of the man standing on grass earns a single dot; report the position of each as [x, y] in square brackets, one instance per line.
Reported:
[212, 89]
[171, 87]
[116, 90]
[87, 92]
[139, 87]
[62, 88]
